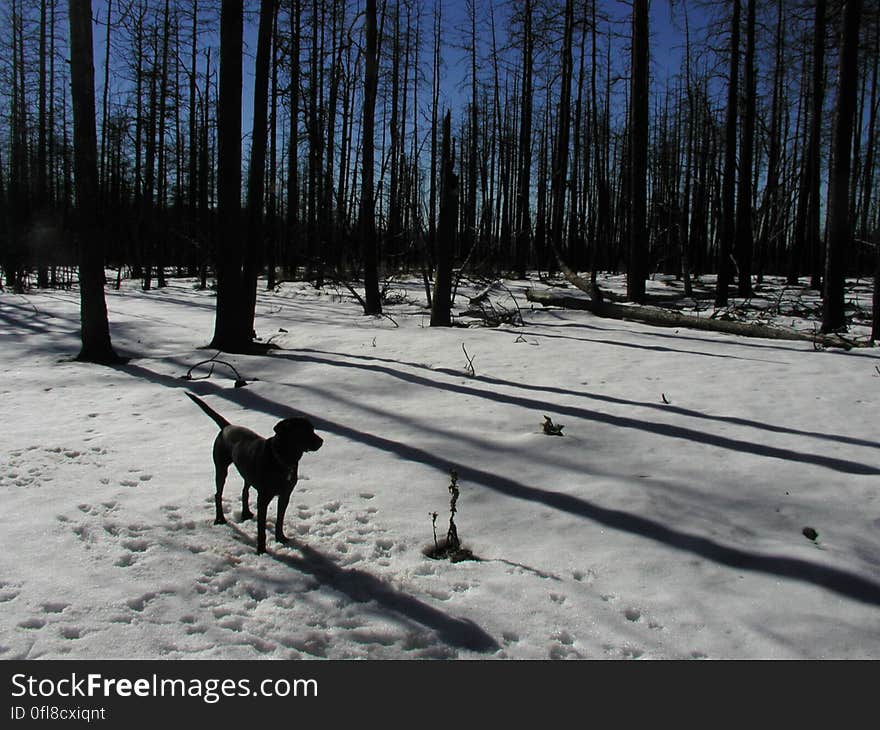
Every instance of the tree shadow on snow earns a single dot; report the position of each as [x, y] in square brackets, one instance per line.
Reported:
[361, 587]
[843, 582]
[799, 347]
[844, 466]
[614, 400]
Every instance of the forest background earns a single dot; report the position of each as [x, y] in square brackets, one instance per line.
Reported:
[350, 141]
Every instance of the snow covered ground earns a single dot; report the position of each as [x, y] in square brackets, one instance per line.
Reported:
[666, 522]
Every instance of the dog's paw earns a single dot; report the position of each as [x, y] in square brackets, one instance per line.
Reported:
[220, 521]
[245, 516]
[283, 539]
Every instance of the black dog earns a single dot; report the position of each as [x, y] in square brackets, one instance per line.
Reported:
[267, 465]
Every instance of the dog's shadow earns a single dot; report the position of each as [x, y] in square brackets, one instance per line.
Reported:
[362, 587]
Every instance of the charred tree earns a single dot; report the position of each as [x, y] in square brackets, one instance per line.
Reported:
[839, 233]
[728, 192]
[523, 194]
[744, 232]
[95, 328]
[637, 271]
[256, 182]
[441, 302]
[231, 331]
[369, 238]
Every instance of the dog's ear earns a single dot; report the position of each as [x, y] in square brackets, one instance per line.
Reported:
[295, 425]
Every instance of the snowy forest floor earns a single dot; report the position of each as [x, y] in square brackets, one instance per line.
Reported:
[666, 522]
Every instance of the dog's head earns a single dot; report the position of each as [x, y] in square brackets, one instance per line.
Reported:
[297, 434]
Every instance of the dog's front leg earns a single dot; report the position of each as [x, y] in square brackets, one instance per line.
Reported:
[262, 510]
[283, 499]
[246, 513]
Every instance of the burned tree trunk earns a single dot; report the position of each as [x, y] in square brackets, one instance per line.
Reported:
[839, 233]
[744, 232]
[441, 302]
[95, 328]
[230, 329]
[256, 184]
[370, 242]
[728, 193]
[638, 242]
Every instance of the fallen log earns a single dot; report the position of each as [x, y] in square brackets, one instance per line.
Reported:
[666, 318]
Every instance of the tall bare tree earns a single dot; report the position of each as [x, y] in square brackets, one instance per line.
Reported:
[638, 246]
[806, 236]
[231, 332]
[559, 175]
[839, 233]
[370, 241]
[728, 191]
[441, 302]
[256, 181]
[744, 232]
[523, 193]
[95, 328]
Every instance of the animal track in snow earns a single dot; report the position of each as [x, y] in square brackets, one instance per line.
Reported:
[99, 524]
[383, 546]
[313, 643]
[136, 546]
[132, 482]
[584, 576]
[36, 466]
[344, 528]
[8, 592]
[52, 607]
[563, 646]
[32, 623]
[631, 652]
[139, 603]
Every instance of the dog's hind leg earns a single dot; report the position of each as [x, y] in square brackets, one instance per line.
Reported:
[246, 513]
[283, 499]
[221, 469]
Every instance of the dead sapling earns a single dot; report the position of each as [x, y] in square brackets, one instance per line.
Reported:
[550, 428]
[240, 382]
[449, 548]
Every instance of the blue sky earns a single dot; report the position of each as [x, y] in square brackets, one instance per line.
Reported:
[666, 39]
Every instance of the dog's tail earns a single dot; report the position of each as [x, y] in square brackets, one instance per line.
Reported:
[216, 417]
